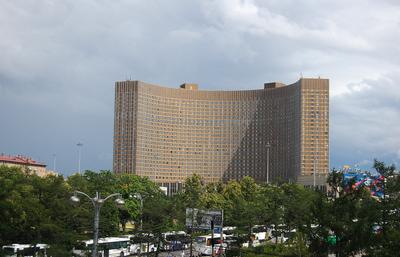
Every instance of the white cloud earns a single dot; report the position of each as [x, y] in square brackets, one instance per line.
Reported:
[246, 17]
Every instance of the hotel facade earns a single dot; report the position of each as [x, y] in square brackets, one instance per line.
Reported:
[278, 133]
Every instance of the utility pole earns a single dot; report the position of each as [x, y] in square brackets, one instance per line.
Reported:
[314, 171]
[79, 156]
[54, 161]
[212, 237]
[140, 198]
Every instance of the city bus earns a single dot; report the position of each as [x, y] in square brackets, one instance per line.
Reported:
[203, 244]
[141, 243]
[230, 236]
[175, 241]
[14, 250]
[106, 247]
[261, 233]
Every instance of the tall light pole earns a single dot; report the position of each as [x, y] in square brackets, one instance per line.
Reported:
[314, 172]
[97, 202]
[140, 198]
[54, 161]
[268, 146]
[79, 145]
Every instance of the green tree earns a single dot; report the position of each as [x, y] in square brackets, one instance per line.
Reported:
[130, 186]
[348, 214]
[193, 191]
[243, 206]
[34, 209]
[388, 220]
[272, 198]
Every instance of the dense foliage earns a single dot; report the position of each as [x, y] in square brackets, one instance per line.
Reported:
[35, 209]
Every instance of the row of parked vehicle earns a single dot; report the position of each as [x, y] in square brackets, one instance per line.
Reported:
[172, 241]
[128, 245]
[230, 238]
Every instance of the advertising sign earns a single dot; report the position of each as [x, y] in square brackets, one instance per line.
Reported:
[374, 183]
[201, 219]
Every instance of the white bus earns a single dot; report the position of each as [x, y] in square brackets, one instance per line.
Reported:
[261, 233]
[175, 241]
[230, 236]
[16, 250]
[139, 244]
[106, 247]
[281, 236]
[203, 244]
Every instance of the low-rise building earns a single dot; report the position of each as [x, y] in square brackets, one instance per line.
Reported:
[26, 164]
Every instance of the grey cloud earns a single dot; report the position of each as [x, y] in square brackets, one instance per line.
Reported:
[60, 59]
[365, 121]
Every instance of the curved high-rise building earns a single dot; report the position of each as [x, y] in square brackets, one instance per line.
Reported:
[276, 133]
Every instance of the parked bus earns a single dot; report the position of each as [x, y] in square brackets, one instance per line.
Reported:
[230, 237]
[203, 244]
[261, 233]
[14, 250]
[281, 236]
[107, 247]
[175, 241]
[141, 243]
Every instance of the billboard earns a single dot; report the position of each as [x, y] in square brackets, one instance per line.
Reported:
[201, 219]
[374, 183]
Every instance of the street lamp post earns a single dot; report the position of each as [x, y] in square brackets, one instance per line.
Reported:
[140, 198]
[54, 162]
[314, 172]
[79, 145]
[268, 146]
[97, 202]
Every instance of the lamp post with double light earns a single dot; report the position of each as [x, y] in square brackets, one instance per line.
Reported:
[140, 198]
[97, 202]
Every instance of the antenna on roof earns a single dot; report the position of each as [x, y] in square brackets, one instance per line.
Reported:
[301, 74]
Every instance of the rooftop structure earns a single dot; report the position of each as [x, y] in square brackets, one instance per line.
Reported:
[19, 159]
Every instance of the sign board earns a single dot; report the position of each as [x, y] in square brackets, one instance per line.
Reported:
[201, 219]
[331, 240]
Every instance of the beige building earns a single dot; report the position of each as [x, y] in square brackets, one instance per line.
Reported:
[26, 164]
[276, 133]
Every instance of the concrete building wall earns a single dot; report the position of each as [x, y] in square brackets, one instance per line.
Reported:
[168, 134]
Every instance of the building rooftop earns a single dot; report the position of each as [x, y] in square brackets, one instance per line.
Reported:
[19, 159]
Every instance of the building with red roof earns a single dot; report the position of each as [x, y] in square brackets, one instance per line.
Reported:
[26, 164]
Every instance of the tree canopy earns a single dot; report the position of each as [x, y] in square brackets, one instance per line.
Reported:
[344, 220]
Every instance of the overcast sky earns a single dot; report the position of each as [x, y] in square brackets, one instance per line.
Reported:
[59, 61]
